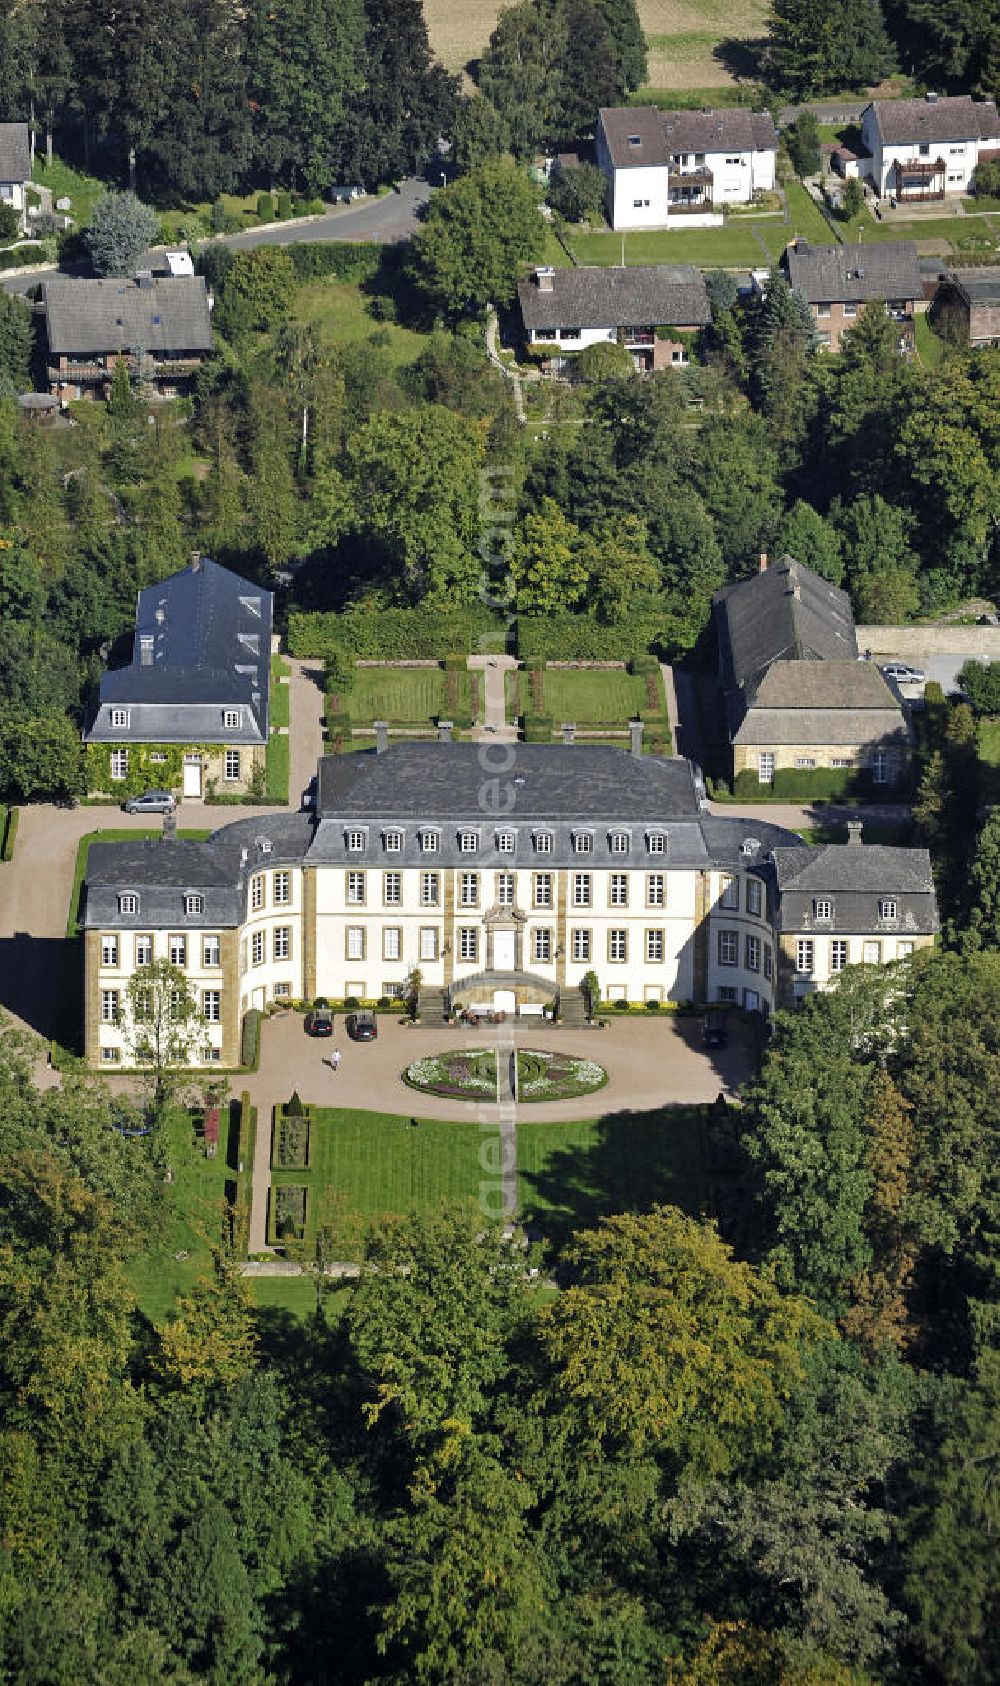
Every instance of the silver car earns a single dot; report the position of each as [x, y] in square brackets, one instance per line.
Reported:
[151, 802]
[903, 674]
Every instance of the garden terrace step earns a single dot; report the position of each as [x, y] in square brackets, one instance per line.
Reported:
[431, 1006]
[572, 1006]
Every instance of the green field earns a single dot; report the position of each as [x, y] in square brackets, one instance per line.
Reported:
[588, 696]
[571, 1174]
[406, 696]
[279, 693]
[340, 313]
[194, 1226]
[369, 1165]
[989, 758]
[732, 247]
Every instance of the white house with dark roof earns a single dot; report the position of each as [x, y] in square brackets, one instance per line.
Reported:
[929, 148]
[684, 166]
[161, 325]
[15, 167]
[796, 696]
[839, 282]
[504, 893]
[192, 706]
[569, 309]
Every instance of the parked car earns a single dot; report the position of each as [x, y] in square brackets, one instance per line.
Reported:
[714, 1030]
[151, 802]
[319, 1022]
[345, 192]
[903, 674]
[362, 1027]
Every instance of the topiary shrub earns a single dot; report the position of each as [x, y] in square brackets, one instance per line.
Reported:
[746, 783]
[283, 206]
[250, 1039]
[620, 1006]
[265, 207]
[293, 1106]
[351, 1002]
[321, 1001]
[653, 1006]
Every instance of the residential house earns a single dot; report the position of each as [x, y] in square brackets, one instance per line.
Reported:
[968, 305]
[591, 859]
[840, 906]
[839, 282]
[796, 695]
[568, 309]
[929, 148]
[190, 712]
[15, 168]
[684, 166]
[161, 326]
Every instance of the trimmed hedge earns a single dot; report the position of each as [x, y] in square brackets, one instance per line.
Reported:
[538, 728]
[393, 634]
[315, 259]
[812, 783]
[567, 637]
[10, 838]
[250, 1039]
[246, 1147]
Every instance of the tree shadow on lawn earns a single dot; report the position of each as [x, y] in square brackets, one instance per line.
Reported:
[742, 59]
[682, 1156]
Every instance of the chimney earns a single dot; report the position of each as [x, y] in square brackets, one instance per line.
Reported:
[381, 736]
[854, 830]
[569, 731]
[170, 826]
[195, 561]
[762, 564]
[545, 278]
[445, 730]
[795, 590]
[635, 736]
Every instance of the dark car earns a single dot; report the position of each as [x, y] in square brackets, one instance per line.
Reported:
[362, 1027]
[714, 1030]
[319, 1022]
[151, 802]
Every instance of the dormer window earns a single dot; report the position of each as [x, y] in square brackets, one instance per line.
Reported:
[887, 909]
[120, 717]
[232, 717]
[619, 842]
[356, 841]
[635, 140]
[393, 842]
[505, 842]
[252, 605]
[823, 911]
[193, 905]
[429, 842]
[250, 641]
[656, 843]
[583, 842]
[128, 904]
[468, 842]
[543, 842]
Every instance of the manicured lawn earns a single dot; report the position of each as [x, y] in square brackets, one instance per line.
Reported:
[961, 233]
[339, 311]
[806, 219]
[81, 190]
[115, 834]
[196, 1199]
[279, 693]
[931, 348]
[989, 756]
[368, 1165]
[296, 1295]
[571, 1174]
[413, 696]
[588, 696]
[733, 246]
[276, 769]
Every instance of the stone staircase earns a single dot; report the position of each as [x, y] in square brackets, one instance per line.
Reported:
[431, 1006]
[572, 1006]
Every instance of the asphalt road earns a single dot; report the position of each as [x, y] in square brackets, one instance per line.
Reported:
[387, 221]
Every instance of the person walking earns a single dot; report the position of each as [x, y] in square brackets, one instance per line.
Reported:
[335, 1059]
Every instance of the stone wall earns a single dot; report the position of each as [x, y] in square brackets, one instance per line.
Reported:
[908, 642]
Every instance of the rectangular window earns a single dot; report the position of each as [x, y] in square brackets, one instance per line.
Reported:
[257, 948]
[581, 946]
[880, 767]
[618, 890]
[872, 954]
[119, 763]
[232, 764]
[110, 1006]
[428, 942]
[542, 889]
[805, 763]
[768, 961]
[728, 993]
[838, 955]
[887, 910]
[804, 953]
[211, 1005]
[751, 954]
[655, 946]
[355, 841]
[281, 942]
[356, 889]
[823, 910]
[119, 717]
[355, 944]
[211, 951]
[850, 310]
[543, 946]
[619, 842]
[822, 310]
[144, 951]
[581, 889]
[109, 951]
[505, 889]
[281, 888]
[282, 991]
[729, 948]
[729, 896]
[231, 717]
[393, 842]
[505, 842]
[128, 904]
[583, 843]
[392, 942]
[392, 888]
[904, 949]
[257, 892]
[765, 766]
[429, 842]
[617, 945]
[654, 889]
[468, 842]
[755, 897]
[543, 842]
[110, 1056]
[468, 889]
[468, 942]
[194, 905]
[178, 951]
[430, 889]
[656, 843]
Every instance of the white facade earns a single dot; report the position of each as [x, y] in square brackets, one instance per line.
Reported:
[819, 960]
[687, 190]
[957, 153]
[121, 954]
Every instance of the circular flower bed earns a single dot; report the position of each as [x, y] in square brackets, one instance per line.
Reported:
[462, 1075]
[555, 1076]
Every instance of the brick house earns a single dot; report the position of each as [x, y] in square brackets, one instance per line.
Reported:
[161, 325]
[968, 302]
[570, 309]
[839, 282]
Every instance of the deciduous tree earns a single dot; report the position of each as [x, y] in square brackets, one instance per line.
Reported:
[476, 234]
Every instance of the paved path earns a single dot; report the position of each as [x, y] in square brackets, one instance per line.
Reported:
[673, 713]
[808, 816]
[306, 700]
[493, 694]
[512, 375]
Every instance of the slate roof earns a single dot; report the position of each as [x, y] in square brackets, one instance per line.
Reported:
[951, 118]
[856, 878]
[883, 728]
[853, 274]
[164, 316]
[788, 613]
[977, 286]
[202, 643]
[661, 133]
[648, 294]
[15, 153]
